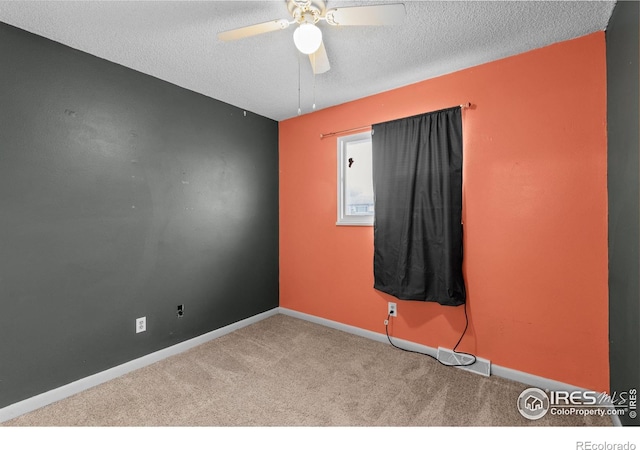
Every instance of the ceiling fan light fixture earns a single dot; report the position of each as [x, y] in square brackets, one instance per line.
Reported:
[307, 38]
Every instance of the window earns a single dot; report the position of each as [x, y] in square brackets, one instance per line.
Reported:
[355, 185]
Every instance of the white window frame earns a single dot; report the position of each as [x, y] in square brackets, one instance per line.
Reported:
[344, 219]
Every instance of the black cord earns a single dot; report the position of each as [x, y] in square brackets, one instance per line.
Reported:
[386, 326]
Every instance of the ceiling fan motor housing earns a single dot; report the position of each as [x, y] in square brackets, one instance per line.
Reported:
[309, 11]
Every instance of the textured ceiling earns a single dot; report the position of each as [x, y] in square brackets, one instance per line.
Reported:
[176, 41]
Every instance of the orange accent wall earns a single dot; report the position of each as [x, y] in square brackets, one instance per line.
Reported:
[535, 215]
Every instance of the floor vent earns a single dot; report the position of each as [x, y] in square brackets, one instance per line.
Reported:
[481, 366]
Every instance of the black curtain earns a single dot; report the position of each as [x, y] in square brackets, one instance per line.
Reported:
[417, 183]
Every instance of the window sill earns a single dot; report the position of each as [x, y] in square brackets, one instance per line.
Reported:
[354, 224]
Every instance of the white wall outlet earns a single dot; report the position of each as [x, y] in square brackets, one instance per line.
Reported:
[141, 324]
[393, 309]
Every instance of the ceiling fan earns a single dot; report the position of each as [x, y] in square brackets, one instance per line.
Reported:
[308, 36]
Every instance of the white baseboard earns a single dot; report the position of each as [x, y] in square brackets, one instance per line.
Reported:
[54, 395]
[499, 371]
[542, 383]
[46, 398]
[341, 326]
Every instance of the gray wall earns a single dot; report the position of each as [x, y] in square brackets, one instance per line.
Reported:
[623, 169]
[122, 196]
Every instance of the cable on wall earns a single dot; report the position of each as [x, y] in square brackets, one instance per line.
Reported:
[466, 326]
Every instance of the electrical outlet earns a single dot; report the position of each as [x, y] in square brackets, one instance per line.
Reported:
[393, 309]
[141, 324]
[180, 312]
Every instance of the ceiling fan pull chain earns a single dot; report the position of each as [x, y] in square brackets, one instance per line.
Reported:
[299, 109]
[314, 86]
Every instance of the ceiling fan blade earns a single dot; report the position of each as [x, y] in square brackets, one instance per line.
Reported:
[320, 60]
[390, 14]
[253, 30]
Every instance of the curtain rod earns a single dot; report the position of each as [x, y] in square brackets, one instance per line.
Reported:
[366, 127]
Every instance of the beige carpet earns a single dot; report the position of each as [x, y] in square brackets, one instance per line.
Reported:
[284, 371]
